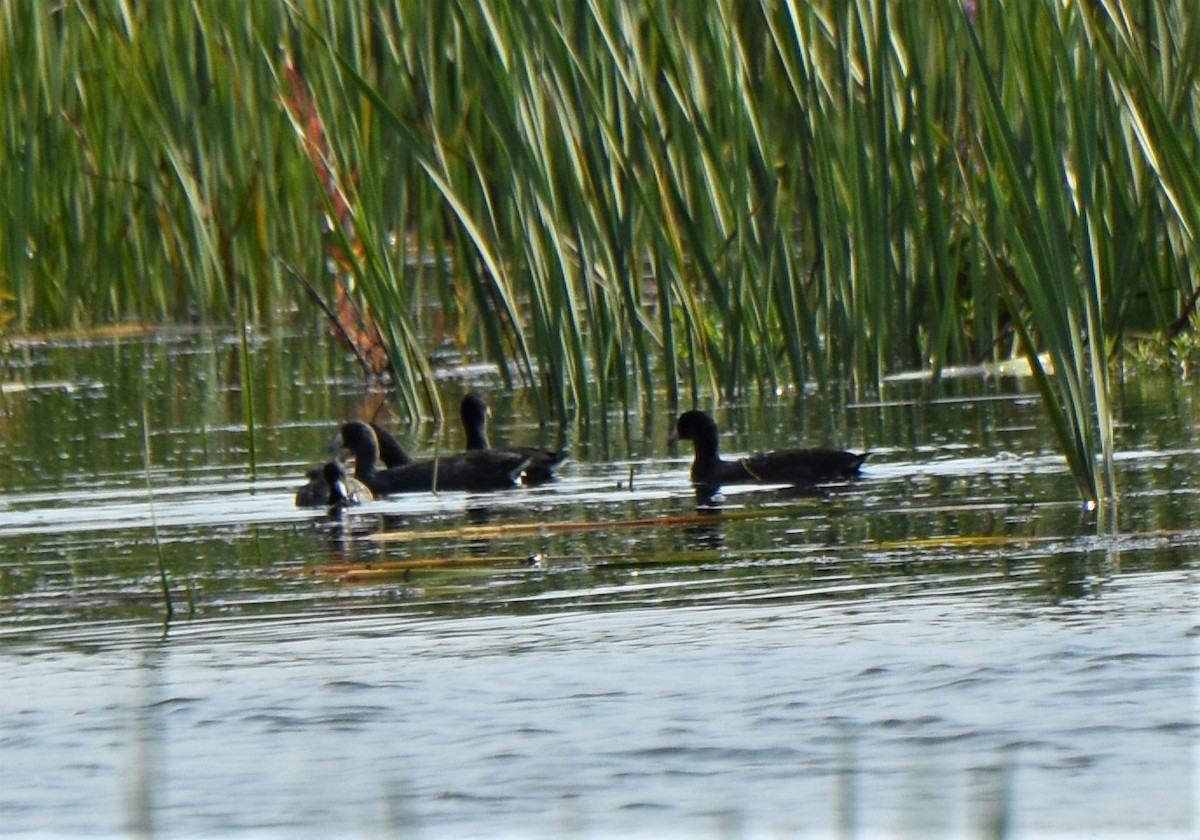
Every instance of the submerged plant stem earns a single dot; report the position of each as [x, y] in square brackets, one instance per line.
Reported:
[168, 604]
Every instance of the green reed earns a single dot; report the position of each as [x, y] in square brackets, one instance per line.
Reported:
[613, 199]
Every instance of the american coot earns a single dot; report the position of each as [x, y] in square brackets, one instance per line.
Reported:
[390, 451]
[343, 490]
[316, 492]
[542, 462]
[790, 466]
[473, 470]
[329, 486]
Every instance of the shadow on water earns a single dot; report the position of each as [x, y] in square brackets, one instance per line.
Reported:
[839, 632]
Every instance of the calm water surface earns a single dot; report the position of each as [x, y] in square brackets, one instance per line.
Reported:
[946, 646]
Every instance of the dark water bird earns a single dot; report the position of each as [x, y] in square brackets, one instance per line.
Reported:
[788, 466]
[316, 492]
[472, 470]
[344, 491]
[329, 487]
[542, 462]
[390, 451]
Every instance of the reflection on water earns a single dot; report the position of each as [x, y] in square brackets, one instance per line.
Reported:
[947, 644]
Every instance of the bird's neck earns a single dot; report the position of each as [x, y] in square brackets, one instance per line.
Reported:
[706, 453]
[366, 461]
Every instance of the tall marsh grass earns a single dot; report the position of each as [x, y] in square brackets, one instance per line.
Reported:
[606, 198]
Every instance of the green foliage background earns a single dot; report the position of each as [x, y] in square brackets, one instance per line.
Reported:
[616, 200]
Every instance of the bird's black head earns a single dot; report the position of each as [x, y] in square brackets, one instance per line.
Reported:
[358, 436]
[700, 429]
[335, 477]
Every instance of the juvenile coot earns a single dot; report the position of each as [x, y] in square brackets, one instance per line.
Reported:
[344, 491]
[789, 466]
[472, 470]
[329, 486]
[542, 462]
[390, 451]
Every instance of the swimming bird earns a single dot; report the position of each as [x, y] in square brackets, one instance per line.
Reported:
[390, 451]
[343, 490]
[542, 462]
[316, 492]
[329, 486]
[789, 466]
[472, 470]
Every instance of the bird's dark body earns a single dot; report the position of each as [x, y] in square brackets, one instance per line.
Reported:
[788, 466]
